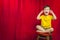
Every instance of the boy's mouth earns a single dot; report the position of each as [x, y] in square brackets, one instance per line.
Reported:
[46, 12]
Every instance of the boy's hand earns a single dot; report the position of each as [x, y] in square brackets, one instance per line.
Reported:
[51, 12]
[41, 12]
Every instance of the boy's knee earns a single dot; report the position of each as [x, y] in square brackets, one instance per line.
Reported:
[37, 26]
[52, 29]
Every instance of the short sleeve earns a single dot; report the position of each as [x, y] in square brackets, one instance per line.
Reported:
[51, 16]
[41, 17]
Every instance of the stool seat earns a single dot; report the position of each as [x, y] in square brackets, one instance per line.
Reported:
[43, 33]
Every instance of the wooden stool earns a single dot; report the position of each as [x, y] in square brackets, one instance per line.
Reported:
[44, 36]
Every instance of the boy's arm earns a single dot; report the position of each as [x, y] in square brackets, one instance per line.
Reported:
[54, 16]
[38, 17]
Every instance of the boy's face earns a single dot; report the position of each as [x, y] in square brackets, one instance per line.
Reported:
[46, 10]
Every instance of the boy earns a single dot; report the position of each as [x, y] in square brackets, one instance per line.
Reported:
[46, 20]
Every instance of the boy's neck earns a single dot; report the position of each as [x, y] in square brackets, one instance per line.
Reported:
[46, 15]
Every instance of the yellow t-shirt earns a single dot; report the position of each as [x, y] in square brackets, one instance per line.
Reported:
[46, 21]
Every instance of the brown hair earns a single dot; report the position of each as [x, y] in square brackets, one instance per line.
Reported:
[46, 6]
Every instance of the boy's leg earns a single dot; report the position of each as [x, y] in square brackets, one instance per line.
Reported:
[50, 30]
[40, 29]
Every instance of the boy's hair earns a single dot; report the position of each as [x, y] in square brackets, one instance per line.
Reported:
[46, 6]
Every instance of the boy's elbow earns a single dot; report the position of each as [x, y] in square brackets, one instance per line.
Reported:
[55, 18]
[38, 18]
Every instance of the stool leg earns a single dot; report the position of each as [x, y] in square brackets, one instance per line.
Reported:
[48, 38]
[38, 37]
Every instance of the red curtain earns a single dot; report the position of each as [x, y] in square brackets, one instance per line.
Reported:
[18, 18]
